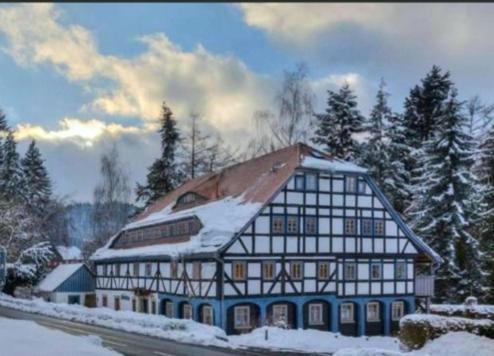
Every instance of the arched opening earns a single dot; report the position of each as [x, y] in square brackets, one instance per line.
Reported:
[242, 318]
[399, 308]
[282, 314]
[317, 315]
[185, 311]
[374, 323]
[167, 308]
[348, 318]
[206, 314]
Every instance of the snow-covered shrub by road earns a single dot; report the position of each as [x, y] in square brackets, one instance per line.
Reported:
[24, 337]
[417, 329]
[477, 311]
[145, 324]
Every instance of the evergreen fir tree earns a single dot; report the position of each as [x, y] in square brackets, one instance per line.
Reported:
[443, 214]
[11, 180]
[337, 127]
[164, 174]
[37, 183]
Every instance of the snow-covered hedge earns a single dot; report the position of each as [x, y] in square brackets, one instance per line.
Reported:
[145, 324]
[417, 329]
[467, 311]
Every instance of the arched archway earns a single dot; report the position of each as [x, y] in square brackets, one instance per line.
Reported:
[242, 318]
[348, 318]
[206, 314]
[374, 323]
[317, 314]
[399, 308]
[167, 308]
[185, 311]
[282, 313]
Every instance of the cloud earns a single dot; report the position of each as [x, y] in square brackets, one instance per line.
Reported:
[81, 132]
[222, 88]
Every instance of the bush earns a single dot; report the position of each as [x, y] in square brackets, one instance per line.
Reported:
[417, 329]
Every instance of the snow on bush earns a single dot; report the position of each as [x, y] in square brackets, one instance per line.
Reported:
[470, 311]
[144, 324]
[417, 329]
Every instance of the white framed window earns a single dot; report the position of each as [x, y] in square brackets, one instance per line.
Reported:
[147, 269]
[347, 313]
[196, 270]
[238, 270]
[373, 313]
[292, 224]
[379, 227]
[169, 309]
[350, 226]
[268, 270]
[310, 225]
[323, 270]
[316, 314]
[401, 270]
[207, 315]
[397, 310]
[310, 181]
[296, 270]
[241, 317]
[350, 184]
[350, 271]
[278, 224]
[367, 227]
[376, 272]
[104, 301]
[186, 311]
[280, 313]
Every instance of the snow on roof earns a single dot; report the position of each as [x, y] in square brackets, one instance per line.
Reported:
[331, 165]
[69, 253]
[221, 220]
[58, 276]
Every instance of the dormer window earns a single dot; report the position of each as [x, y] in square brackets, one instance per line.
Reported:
[189, 198]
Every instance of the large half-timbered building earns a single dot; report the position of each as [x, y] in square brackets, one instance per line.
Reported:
[292, 237]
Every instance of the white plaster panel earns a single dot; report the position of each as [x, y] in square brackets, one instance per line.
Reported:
[337, 244]
[278, 244]
[391, 228]
[262, 225]
[392, 245]
[410, 287]
[310, 199]
[291, 184]
[409, 270]
[363, 271]
[363, 288]
[350, 200]
[310, 244]
[236, 247]
[310, 286]
[410, 248]
[337, 226]
[337, 185]
[310, 269]
[324, 185]
[324, 246]
[324, 200]
[247, 240]
[349, 288]
[364, 201]
[324, 225]
[375, 288]
[400, 288]
[366, 245]
[254, 287]
[388, 271]
[262, 244]
[378, 245]
[291, 244]
[337, 200]
[254, 269]
[280, 198]
[377, 203]
[295, 198]
[350, 245]
[388, 288]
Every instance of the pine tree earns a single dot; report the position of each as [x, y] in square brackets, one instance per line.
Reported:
[337, 127]
[443, 213]
[37, 183]
[11, 179]
[164, 174]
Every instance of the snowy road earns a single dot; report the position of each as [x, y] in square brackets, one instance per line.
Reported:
[127, 343]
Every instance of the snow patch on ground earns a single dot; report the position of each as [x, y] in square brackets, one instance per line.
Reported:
[151, 325]
[23, 337]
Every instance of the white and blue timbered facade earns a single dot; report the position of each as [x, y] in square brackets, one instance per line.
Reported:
[314, 244]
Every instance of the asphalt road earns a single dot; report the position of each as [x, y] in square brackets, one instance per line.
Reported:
[132, 344]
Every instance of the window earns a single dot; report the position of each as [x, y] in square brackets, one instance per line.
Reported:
[104, 301]
[147, 269]
[346, 313]
[397, 310]
[310, 225]
[121, 270]
[238, 271]
[292, 224]
[401, 272]
[350, 271]
[116, 303]
[169, 309]
[174, 269]
[105, 270]
[350, 226]
[136, 269]
[207, 315]
[373, 313]
[186, 311]
[379, 227]
[268, 269]
[133, 305]
[280, 314]
[188, 198]
[323, 270]
[153, 307]
[241, 317]
[278, 225]
[311, 181]
[196, 270]
[350, 184]
[315, 314]
[376, 271]
[299, 182]
[296, 270]
[366, 227]
[361, 187]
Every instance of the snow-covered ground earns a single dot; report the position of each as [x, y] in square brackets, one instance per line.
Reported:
[23, 338]
[312, 341]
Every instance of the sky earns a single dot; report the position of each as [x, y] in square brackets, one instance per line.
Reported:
[79, 78]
